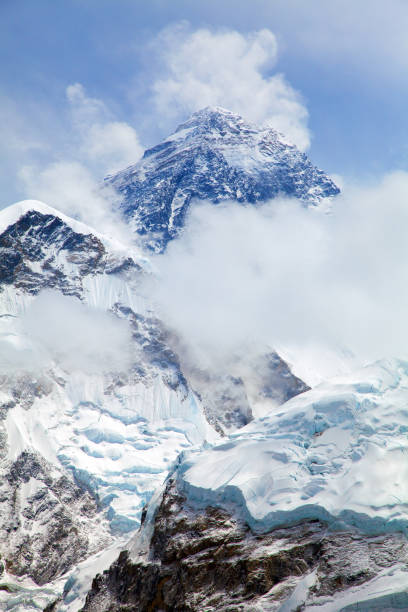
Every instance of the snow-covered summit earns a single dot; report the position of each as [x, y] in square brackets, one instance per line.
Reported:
[213, 119]
[215, 155]
[35, 208]
[14, 212]
[40, 247]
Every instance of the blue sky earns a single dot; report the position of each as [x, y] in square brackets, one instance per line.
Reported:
[140, 69]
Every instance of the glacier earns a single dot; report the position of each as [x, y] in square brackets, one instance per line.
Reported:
[112, 434]
[303, 508]
[336, 453]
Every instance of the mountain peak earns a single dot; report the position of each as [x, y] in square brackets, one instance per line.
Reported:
[35, 212]
[215, 155]
[214, 110]
[215, 120]
[43, 248]
[14, 212]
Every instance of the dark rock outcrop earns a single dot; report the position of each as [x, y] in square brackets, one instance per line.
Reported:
[212, 561]
[41, 251]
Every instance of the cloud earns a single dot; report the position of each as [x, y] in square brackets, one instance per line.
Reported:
[284, 276]
[105, 144]
[229, 69]
[115, 145]
[85, 110]
[71, 188]
[342, 34]
[73, 184]
[57, 328]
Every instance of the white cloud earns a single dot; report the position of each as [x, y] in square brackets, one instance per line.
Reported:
[77, 337]
[71, 188]
[281, 275]
[229, 69]
[344, 34]
[115, 145]
[84, 108]
[105, 144]
[73, 184]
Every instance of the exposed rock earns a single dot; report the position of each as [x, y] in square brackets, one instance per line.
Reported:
[216, 155]
[41, 251]
[275, 380]
[47, 522]
[225, 393]
[229, 393]
[210, 560]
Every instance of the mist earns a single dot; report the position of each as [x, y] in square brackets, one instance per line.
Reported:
[70, 178]
[58, 329]
[244, 277]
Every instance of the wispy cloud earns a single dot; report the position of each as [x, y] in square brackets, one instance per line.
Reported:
[282, 275]
[229, 69]
[73, 183]
[60, 329]
[104, 143]
[73, 189]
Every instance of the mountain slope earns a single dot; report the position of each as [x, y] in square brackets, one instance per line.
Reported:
[304, 509]
[82, 447]
[98, 438]
[215, 156]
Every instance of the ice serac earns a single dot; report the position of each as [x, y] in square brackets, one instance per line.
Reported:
[216, 155]
[303, 509]
[323, 455]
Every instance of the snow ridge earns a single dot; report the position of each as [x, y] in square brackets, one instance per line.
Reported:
[322, 455]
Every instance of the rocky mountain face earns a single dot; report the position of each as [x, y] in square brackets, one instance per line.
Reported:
[216, 155]
[48, 522]
[40, 251]
[229, 395]
[211, 560]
